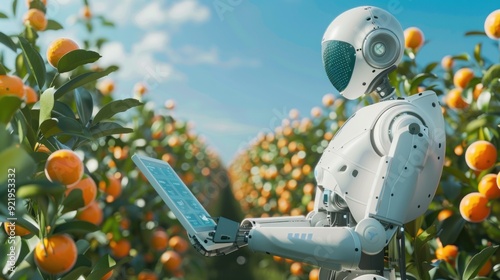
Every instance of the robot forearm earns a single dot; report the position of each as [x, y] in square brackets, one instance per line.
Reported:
[330, 247]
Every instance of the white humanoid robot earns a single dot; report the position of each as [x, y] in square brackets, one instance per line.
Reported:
[379, 171]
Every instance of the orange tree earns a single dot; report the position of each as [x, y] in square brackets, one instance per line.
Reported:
[73, 203]
[458, 236]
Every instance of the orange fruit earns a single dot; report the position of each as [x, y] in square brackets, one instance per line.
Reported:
[92, 213]
[125, 223]
[86, 13]
[147, 275]
[11, 85]
[492, 25]
[444, 214]
[316, 112]
[170, 104]
[277, 259]
[107, 275]
[481, 155]
[140, 88]
[113, 187]
[28, 2]
[314, 274]
[36, 19]
[159, 240]
[414, 38]
[120, 248]
[59, 48]
[459, 150]
[488, 186]
[106, 87]
[485, 269]
[64, 166]
[88, 188]
[57, 254]
[328, 100]
[474, 207]
[478, 89]
[30, 95]
[462, 77]
[171, 260]
[447, 253]
[455, 100]
[17, 229]
[447, 62]
[296, 269]
[179, 244]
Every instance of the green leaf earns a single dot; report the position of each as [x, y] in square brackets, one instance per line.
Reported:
[474, 125]
[71, 126]
[7, 41]
[79, 227]
[477, 54]
[493, 73]
[76, 272]
[76, 58]
[418, 80]
[62, 109]
[39, 188]
[82, 79]
[9, 104]
[104, 265]
[473, 33]
[108, 128]
[73, 201]
[20, 67]
[3, 71]
[15, 158]
[463, 56]
[430, 67]
[2, 15]
[483, 101]
[82, 246]
[53, 25]
[450, 229]
[46, 105]
[14, 7]
[115, 107]
[34, 61]
[84, 105]
[50, 128]
[477, 261]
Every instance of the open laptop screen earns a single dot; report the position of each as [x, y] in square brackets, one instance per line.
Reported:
[175, 193]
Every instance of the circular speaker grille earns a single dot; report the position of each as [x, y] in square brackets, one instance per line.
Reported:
[381, 48]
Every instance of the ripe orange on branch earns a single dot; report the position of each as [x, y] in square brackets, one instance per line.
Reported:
[414, 38]
[488, 186]
[455, 100]
[92, 214]
[113, 188]
[462, 77]
[11, 85]
[474, 207]
[88, 188]
[120, 248]
[171, 260]
[30, 95]
[447, 253]
[159, 240]
[36, 19]
[18, 229]
[56, 254]
[481, 155]
[65, 167]
[492, 25]
[59, 48]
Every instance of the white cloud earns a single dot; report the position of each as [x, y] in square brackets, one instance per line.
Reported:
[154, 14]
[120, 13]
[140, 62]
[192, 55]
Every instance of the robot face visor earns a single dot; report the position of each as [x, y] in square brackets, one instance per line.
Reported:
[338, 59]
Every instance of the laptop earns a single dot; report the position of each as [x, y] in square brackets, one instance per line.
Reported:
[210, 236]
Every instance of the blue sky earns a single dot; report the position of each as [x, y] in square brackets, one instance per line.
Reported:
[236, 67]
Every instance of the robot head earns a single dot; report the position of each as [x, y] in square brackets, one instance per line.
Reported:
[360, 47]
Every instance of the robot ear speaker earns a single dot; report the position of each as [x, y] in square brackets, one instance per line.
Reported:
[381, 48]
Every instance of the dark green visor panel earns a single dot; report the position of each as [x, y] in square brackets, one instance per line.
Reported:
[338, 59]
